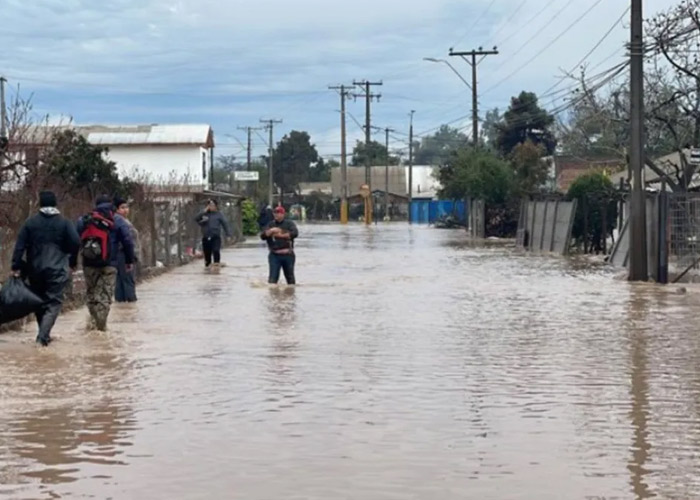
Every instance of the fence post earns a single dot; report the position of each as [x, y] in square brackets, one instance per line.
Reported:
[662, 272]
[567, 241]
[154, 235]
[532, 226]
[180, 229]
[544, 224]
[166, 229]
[585, 223]
[554, 225]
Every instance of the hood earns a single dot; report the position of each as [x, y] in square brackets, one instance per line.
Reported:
[49, 211]
[105, 208]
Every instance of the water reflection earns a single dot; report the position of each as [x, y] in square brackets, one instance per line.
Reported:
[639, 414]
[409, 363]
[75, 422]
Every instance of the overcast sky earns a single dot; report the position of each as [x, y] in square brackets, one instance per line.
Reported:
[229, 63]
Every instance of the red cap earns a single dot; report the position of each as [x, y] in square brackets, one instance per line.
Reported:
[280, 210]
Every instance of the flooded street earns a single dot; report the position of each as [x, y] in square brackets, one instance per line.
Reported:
[408, 364]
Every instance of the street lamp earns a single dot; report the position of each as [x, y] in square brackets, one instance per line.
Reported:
[433, 60]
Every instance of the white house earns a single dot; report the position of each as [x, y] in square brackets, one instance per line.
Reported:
[164, 153]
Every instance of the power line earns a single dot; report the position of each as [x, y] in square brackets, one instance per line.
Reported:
[475, 24]
[538, 54]
[509, 19]
[528, 23]
[590, 52]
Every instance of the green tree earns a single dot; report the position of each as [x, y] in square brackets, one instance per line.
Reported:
[489, 129]
[477, 174]
[525, 120]
[377, 155]
[320, 172]
[597, 207]
[250, 218]
[79, 165]
[437, 149]
[531, 172]
[293, 158]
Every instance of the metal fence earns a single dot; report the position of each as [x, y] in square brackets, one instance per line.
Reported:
[683, 232]
[545, 226]
[168, 233]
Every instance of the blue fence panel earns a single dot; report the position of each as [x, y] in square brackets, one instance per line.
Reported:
[430, 211]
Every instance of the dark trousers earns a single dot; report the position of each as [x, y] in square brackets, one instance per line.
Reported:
[125, 289]
[284, 263]
[47, 314]
[212, 248]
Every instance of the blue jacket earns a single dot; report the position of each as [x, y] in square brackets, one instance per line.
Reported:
[120, 235]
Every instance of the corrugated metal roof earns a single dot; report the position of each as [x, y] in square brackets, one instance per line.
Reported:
[149, 135]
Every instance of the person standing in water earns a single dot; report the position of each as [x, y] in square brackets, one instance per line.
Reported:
[50, 244]
[212, 222]
[280, 235]
[125, 290]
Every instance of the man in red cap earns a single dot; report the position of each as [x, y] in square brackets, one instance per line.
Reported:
[280, 235]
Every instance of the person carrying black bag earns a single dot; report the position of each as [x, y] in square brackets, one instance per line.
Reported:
[51, 244]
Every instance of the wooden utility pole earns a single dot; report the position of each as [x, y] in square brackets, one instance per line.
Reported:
[367, 86]
[3, 115]
[344, 93]
[386, 174]
[410, 170]
[638, 270]
[249, 154]
[270, 126]
[473, 54]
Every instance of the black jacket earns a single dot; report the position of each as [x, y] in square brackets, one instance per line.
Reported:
[275, 244]
[212, 223]
[51, 244]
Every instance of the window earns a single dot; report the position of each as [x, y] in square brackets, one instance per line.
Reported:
[204, 165]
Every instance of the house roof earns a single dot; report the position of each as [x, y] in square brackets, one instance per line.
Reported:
[668, 164]
[306, 188]
[200, 135]
[120, 135]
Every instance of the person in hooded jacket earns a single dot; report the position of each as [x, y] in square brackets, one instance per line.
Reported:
[100, 279]
[125, 290]
[212, 222]
[50, 243]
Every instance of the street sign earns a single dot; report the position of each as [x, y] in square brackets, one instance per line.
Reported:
[244, 175]
[695, 156]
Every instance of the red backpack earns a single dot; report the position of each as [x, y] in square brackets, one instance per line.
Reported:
[94, 240]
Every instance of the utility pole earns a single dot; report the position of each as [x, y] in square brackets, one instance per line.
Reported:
[249, 153]
[367, 86]
[473, 54]
[3, 115]
[344, 93]
[386, 174]
[270, 126]
[410, 170]
[638, 270]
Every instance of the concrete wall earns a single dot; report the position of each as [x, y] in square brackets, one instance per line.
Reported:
[161, 163]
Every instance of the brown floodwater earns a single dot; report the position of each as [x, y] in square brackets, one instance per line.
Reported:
[408, 364]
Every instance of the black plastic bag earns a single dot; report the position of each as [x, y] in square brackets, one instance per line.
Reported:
[17, 300]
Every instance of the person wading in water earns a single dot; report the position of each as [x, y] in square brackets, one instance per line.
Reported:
[280, 235]
[212, 222]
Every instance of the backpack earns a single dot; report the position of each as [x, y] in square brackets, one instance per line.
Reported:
[94, 240]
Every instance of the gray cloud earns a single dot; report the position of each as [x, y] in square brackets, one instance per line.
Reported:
[231, 62]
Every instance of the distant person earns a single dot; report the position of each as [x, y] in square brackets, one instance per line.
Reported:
[211, 221]
[101, 237]
[266, 216]
[51, 245]
[280, 235]
[125, 290]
